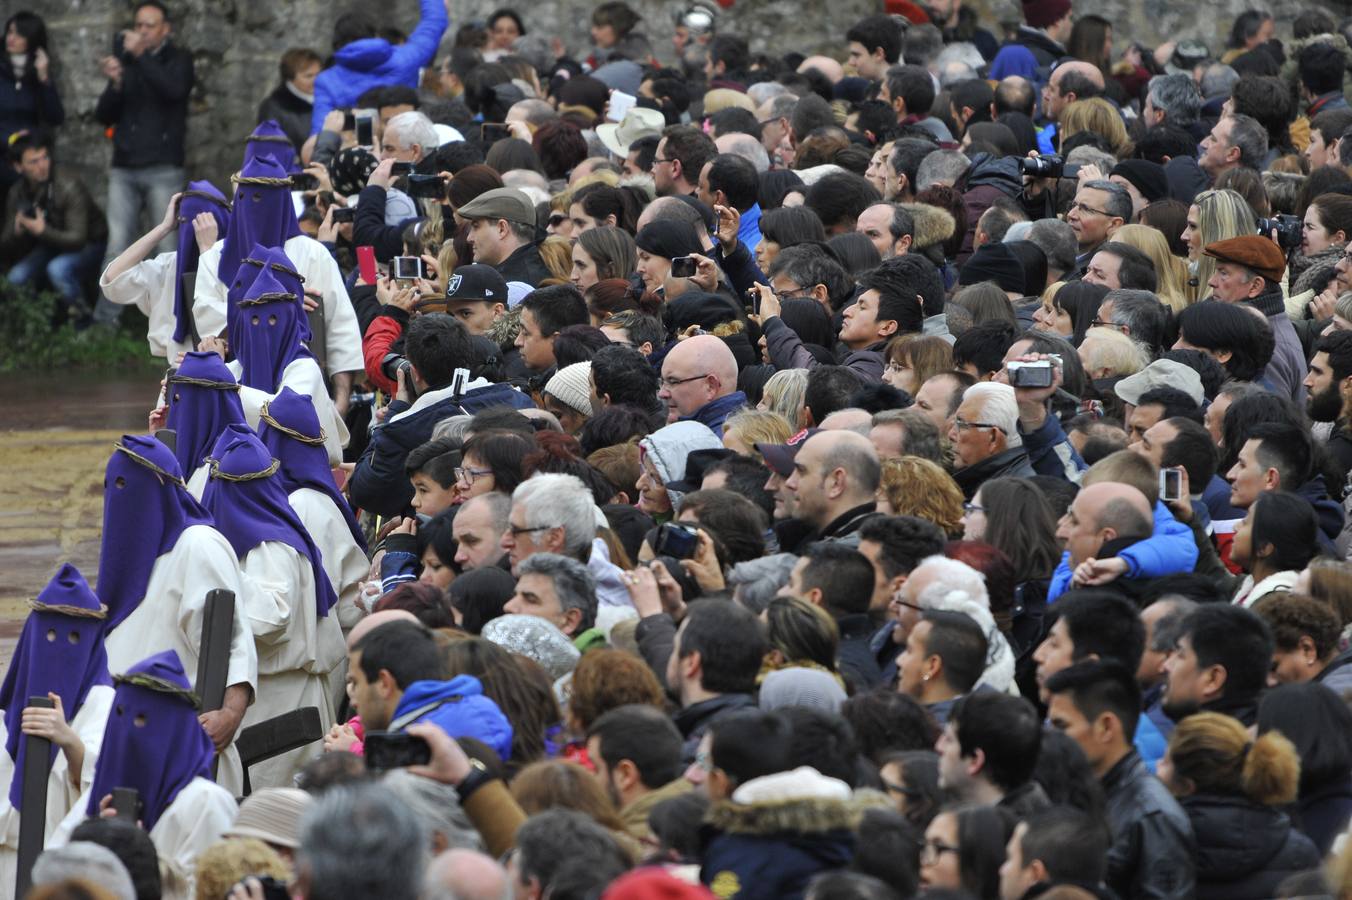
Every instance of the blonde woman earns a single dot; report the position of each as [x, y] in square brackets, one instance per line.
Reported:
[1170, 271]
[1214, 216]
[912, 486]
[746, 428]
[784, 394]
[1099, 116]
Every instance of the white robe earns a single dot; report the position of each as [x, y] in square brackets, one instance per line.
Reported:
[149, 286]
[303, 377]
[64, 799]
[170, 618]
[197, 484]
[196, 819]
[297, 651]
[313, 261]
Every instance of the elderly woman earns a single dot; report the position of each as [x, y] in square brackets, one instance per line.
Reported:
[662, 455]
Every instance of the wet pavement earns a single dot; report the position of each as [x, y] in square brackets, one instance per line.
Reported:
[55, 438]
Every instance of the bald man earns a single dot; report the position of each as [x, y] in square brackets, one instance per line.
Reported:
[1105, 519]
[375, 620]
[835, 479]
[466, 875]
[853, 419]
[699, 382]
[829, 67]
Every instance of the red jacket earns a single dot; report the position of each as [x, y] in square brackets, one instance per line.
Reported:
[375, 346]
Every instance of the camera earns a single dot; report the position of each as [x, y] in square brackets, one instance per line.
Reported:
[304, 181]
[1171, 485]
[365, 128]
[1288, 230]
[401, 168]
[385, 750]
[1030, 374]
[683, 267]
[676, 540]
[1047, 166]
[492, 132]
[426, 186]
[408, 268]
[343, 214]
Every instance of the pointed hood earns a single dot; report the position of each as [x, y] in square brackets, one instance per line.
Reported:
[269, 332]
[203, 399]
[249, 505]
[263, 213]
[289, 428]
[268, 140]
[153, 741]
[60, 651]
[146, 507]
[200, 197]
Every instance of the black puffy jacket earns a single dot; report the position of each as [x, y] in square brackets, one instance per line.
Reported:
[1244, 850]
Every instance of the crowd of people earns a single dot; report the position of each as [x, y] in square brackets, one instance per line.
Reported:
[919, 470]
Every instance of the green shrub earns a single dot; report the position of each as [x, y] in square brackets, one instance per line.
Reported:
[29, 341]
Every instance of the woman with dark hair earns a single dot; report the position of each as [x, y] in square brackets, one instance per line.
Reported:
[478, 596]
[911, 779]
[510, 154]
[504, 27]
[423, 599]
[1276, 540]
[658, 244]
[560, 146]
[1234, 789]
[786, 227]
[603, 254]
[964, 848]
[774, 186]
[1012, 515]
[598, 205]
[519, 687]
[1069, 310]
[614, 37]
[423, 553]
[1168, 217]
[491, 461]
[1319, 724]
[855, 252]
[1234, 337]
[607, 296]
[28, 96]
[1091, 40]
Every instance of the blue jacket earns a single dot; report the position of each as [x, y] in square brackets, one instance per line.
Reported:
[1216, 498]
[716, 411]
[378, 481]
[749, 232]
[1171, 549]
[459, 708]
[375, 62]
[1050, 451]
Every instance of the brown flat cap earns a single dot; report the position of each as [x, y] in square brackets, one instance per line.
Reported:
[1253, 251]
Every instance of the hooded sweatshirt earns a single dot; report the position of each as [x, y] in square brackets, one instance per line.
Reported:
[459, 708]
[668, 448]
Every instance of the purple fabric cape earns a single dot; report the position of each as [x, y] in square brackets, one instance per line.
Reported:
[58, 651]
[263, 214]
[249, 505]
[145, 510]
[198, 413]
[269, 140]
[162, 754]
[270, 333]
[200, 197]
[283, 269]
[290, 429]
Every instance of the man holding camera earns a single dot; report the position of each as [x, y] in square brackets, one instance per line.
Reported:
[51, 226]
[146, 104]
[1249, 270]
[382, 209]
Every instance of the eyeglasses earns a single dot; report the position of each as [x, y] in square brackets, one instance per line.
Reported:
[970, 508]
[518, 531]
[673, 382]
[897, 601]
[932, 850]
[962, 425]
[1099, 323]
[1089, 209]
[557, 220]
[468, 475]
[893, 788]
[897, 367]
[795, 293]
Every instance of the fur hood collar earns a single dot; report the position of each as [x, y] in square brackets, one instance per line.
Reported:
[1313, 271]
[932, 224]
[802, 801]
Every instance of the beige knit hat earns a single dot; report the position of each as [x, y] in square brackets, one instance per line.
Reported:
[571, 385]
[272, 815]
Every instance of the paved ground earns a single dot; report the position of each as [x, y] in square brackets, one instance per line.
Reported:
[55, 438]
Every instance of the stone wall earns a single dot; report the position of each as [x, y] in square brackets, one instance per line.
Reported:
[237, 44]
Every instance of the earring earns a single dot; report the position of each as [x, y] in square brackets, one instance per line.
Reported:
[924, 678]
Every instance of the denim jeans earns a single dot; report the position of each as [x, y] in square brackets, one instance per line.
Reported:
[64, 272]
[129, 192]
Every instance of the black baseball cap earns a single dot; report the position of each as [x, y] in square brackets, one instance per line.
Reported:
[476, 282]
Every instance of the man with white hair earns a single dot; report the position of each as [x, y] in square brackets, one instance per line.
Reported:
[947, 584]
[408, 138]
[986, 439]
[88, 862]
[747, 147]
[554, 513]
[699, 382]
